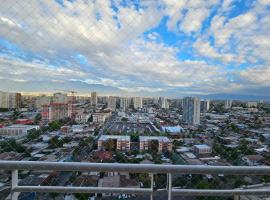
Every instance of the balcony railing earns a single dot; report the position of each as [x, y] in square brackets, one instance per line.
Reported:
[152, 169]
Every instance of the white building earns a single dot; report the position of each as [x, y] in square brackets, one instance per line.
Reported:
[10, 100]
[202, 149]
[124, 103]
[17, 131]
[112, 103]
[137, 102]
[100, 117]
[191, 110]
[228, 104]
[252, 104]
[205, 105]
[163, 102]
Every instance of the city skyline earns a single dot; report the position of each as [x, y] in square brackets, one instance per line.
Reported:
[141, 48]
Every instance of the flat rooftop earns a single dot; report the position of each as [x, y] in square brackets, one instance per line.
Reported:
[117, 137]
[159, 138]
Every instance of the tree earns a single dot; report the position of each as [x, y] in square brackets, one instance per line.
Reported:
[54, 125]
[134, 137]
[38, 118]
[33, 134]
[110, 145]
[55, 143]
[154, 145]
[11, 145]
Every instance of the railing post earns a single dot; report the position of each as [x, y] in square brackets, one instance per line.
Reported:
[152, 185]
[236, 197]
[14, 183]
[169, 187]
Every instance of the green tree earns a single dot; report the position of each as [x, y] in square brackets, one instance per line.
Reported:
[110, 145]
[54, 125]
[38, 118]
[54, 142]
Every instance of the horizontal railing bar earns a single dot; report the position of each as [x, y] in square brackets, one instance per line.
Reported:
[66, 189]
[183, 192]
[209, 192]
[139, 168]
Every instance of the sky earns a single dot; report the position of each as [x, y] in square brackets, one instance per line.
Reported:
[143, 47]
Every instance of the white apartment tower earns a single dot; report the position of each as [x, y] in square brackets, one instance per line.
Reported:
[112, 103]
[124, 103]
[137, 102]
[163, 102]
[228, 104]
[191, 110]
[205, 105]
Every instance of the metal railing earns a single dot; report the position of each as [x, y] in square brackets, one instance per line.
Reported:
[152, 169]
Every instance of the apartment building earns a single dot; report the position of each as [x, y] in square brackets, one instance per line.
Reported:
[56, 111]
[122, 142]
[101, 117]
[164, 143]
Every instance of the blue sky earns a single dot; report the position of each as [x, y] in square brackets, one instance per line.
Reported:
[163, 47]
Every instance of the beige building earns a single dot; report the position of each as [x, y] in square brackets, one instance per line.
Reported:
[164, 143]
[10, 100]
[122, 142]
[94, 99]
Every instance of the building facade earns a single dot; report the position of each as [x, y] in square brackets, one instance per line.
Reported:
[122, 142]
[94, 98]
[228, 104]
[137, 102]
[56, 111]
[112, 103]
[164, 143]
[191, 110]
[205, 105]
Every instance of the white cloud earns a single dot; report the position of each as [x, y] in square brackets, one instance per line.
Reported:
[188, 14]
[114, 45]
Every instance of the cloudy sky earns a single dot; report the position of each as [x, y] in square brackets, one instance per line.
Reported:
[170, 47]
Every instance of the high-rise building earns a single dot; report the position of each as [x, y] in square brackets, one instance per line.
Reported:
[42, 100]
[163, 102]
[94, 98]
[191, 110]
[10, 100]
[228, 104]
[112, 103]
[56, 111]
[137, 102]
[205, 105]
[124, 103]
[4, 100]
[60, 98]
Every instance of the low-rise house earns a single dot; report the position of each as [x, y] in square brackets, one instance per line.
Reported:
[17, 131]
[202, 149]
[253, 160]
